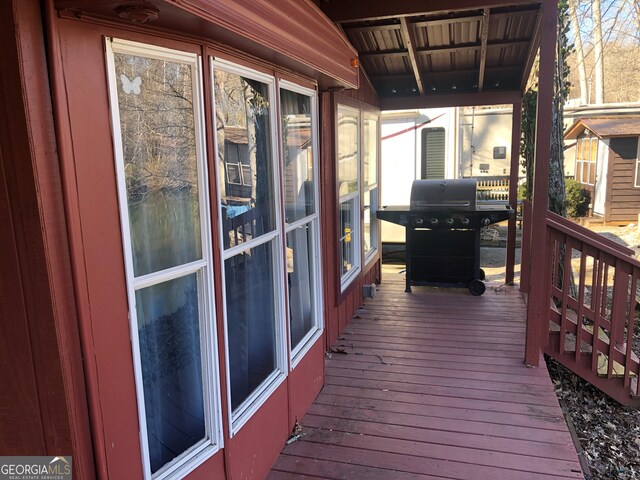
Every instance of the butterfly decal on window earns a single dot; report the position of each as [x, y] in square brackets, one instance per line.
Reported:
[131, 86]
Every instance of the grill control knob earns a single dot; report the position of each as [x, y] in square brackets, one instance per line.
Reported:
[433, 221]
[419, 221]
[465, 221]
[449, 221]
[485, 221]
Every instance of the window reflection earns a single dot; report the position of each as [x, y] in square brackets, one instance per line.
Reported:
[169, 333]
[155, 100]
[348, 125]
[300, 265]
[347, 236]
[244, 157]
[298, 155]
[251, 306]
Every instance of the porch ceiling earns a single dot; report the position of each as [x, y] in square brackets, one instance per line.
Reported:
[437, 53]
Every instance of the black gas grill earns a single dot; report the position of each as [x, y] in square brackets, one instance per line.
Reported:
[443, 225]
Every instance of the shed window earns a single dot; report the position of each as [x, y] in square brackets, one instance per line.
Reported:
[586, 156]
[637, 175]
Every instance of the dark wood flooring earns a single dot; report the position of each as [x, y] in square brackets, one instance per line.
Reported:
[431, 385]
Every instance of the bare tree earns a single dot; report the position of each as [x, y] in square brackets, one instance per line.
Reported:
[606, 35]
[598, 50]
[581, 66]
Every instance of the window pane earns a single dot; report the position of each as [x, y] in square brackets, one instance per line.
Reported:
[348, 125]
[637, 178]
[300, 274]
[370, 227]
[579, 149]
[578, 174]
[244, 135]
[233, 173]
[169, 336]
[297, 155]
[370, 151]
[592, 173]
[251, 314]
[155, 102]
[594, 150]
[347, 236]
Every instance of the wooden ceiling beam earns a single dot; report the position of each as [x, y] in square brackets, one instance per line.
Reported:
[451, 100]
[438, 21]
[533, 50]
[446, 73]
[341, 11]
[371, 28]
[447, 21]
[446, 48]
[484, 37]
[410, 43]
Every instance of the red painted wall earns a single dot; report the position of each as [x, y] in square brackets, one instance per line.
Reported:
[43, 407]
[339, 307]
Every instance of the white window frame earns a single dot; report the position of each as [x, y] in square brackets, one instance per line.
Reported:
[205, 449]
[261, 394]
[373, 220]
[313, 220]
[636, 182]
[351, 275]
[591, 163]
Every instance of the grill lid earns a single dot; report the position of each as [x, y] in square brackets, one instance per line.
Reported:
[456, 194]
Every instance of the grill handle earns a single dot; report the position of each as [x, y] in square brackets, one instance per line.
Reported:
[418, 204]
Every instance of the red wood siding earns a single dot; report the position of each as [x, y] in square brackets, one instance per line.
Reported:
[294, 34]
[623, 202]
[95, 223]
[339, 307]
[432, 385]
[365, 94]
[305, 382]
[43, 408]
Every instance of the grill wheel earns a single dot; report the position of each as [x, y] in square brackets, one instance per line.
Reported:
[476, 287]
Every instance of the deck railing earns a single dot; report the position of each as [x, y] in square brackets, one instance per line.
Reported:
[592, 289]
[493, 188]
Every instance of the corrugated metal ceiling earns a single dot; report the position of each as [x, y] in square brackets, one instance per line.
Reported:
[447, 52]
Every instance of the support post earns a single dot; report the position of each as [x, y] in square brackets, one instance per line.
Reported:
[513, 192]
[525, 249]
[538, 305]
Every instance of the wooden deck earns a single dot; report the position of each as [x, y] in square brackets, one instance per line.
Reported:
[432, 385]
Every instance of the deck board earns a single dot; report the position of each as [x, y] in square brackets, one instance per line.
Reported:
[431, 385]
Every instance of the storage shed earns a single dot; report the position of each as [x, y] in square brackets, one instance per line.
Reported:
[606, 163]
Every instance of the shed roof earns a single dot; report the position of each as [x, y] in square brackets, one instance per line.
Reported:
[626, 126]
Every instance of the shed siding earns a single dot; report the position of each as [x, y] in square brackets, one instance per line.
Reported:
[625, 198]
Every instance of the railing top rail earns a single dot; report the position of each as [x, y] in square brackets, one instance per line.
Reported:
[587, 236]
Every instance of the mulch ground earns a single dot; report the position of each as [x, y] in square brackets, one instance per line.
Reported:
[609, 433]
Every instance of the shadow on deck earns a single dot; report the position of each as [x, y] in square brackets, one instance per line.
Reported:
[432, 385]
